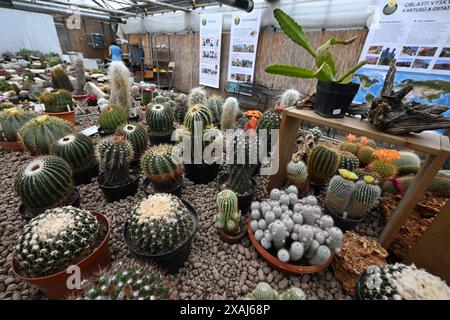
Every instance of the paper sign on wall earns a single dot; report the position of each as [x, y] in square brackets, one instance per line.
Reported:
[210, 44]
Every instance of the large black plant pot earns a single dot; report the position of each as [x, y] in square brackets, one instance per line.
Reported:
[333, 99]
[201, 173]
[343, 223]
[174, 188]
[120, 192]
[84, 176]
[155, 139]
[245, 200]
[170, 261]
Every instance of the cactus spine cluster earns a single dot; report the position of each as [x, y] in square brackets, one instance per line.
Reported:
[11, 120]
[348, 161]
[43, 183]
[409, 162]
[322, 163]
[56, 239]
[160, 118]
[76, 149]
[80, 79]
[297, 174]
[363, 198]
[158, 166]
[339, 191]
[111, 118]
[197, 96]
[135, 133]
[39, 133]
[384, 168]
[214, 104]
[119, 76]
[60, 79]
[229, 217]
[57, 101]
[160, 223]
[230, 111]
[365, 155]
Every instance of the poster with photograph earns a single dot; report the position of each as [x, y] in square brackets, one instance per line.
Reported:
[243, 45]
[210, 44]
[417, 35]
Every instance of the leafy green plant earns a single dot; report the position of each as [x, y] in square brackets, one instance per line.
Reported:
[326, 67]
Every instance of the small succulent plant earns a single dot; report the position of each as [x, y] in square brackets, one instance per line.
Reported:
[229, 217]
[264, 291]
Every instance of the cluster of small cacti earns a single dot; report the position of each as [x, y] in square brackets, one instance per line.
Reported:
[57, 101]
[76, 149]
[60, 79]
[408, 163]
[317, 133]
[348, 161]
[56, 239]
[11, 120]
[264, 291]
[230, 112]
[120, 85]
[197, 96]
[158, 165]
[297, 174]
[160, 223]
[135, 133]
[402, 282]
[160, 118]
[112, 117]
[80, 79]
[38, 134]
[130, 281]
[440, 186]
[294, 228]
[322, 163]
[353, 144]
[288, 98]
[228, 217]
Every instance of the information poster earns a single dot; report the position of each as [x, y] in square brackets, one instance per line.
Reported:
[210, 44]
[243, 45]
[417, 35]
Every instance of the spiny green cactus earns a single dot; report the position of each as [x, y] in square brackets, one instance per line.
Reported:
[56, 239]
[160, 119]
[11, 120]
[384, 168]
[77, 149]
[111, 118]
[264, 291]
[6, 105]
[365, 155]
[409, 162]
[147, 97]
[44, 182]
[158, 166]
[136, 134]
[160, 223]
[197, 113]
[322, 163]
[348, 161]
[230, 112]
[288, 98]
[197, 96]
[293, 293]
[80, 79]
[181, 107]
[60, 79]
[39, 133]
[114, 155]
[297, 174]
[317, 133]
[229, 217]
[214, 104]
[340, 190]
[159, 99]
[364, 196]
[270, 120]
[130, 281]
[57, 101]
[440, 186]
[361, 172]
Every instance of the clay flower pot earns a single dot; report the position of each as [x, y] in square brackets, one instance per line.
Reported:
[68, 116]
[12, 146]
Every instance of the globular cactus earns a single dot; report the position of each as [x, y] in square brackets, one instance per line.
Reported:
[288, 98]
[321, 256]
[56, 239]
[263, 291]
[293, 293]
[181, 107]
[197, 113]
[335, 237]
[361, 172]
[269, 121]
[350, 144]
[147, 97]
[230, 112]
[119, 76]
[57, 101]
[159, 224]
[80, 79]
[365, 155]
[279, 234]
[60, 79]
[408, 163]
[317, 133]
[11, 120]
[363, 198]
[76, 149]
[39, 133]
[440, 186]
[114, 155]
[214, 104]
[229, 217]
[160, 99]
[136, 134]
[348, 161]
[130, 281]
[197, 96]
[112, 117]
[45, 182]
[297, 174]
[383, 165]
[340, 191]
[160, 119]
[322, 163]
[158, 166]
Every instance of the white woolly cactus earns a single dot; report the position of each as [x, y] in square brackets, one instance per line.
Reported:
[119, 76]
[230, 112]
[288, 98]
[197, 96]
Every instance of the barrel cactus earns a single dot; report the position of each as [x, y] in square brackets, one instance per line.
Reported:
[440, 186]
[197, 96]
[159, 99]
[112, 117]
[160, 223]
[60, 79]
[383, 165]
[350, 144]
[158, 165]
[348, 161]
[408, 163]
[181, 107]
[229, 217]
[76, 149]
[198, 113]
[57, 101]
[297, 174]
[340, 191]
[160, 119]
[135, 133]
[11, 120]
[363, 198]
[39, 133]
[56, 239]
[214, 104]
[322, 163]
[270, 120]
[365, 155]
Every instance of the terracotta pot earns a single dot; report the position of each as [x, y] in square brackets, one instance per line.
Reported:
[282, 266]
[233, 238]
[54, 286]
[79, 97]
[68, 116]
[12, 146]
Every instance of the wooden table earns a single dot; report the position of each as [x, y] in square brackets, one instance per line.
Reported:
[436, 146]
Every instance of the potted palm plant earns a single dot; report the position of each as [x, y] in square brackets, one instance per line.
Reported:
[334, 92]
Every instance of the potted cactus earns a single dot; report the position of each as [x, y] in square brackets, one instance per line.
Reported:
[297, 174]
[59, 104]
[111, 117]
[228, 220]
[160, 230]
[136, 134]
[407, 163]
[11, 120]
[322, 164]
[214, 104]
[384, 163]
[160, 169]
[348, 161]
[197, 96]
[78, 151]
[57, 239]
[160, 118]
[116, 180]
[264, 291]
[270, 120]
[60, 79]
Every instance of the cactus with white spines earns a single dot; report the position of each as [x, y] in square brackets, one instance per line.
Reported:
[119, 76]
[228, 217]
[135, 133]
[197, 96]
[230, 112]
[112, 117]
[288, 98]
[160, 119]
[297, 173]
[408, 163]
[348, 161]
[158, 165]
[214, 104]
[340, 190]
[363, 198]
[11, 120]
[77, 149]
[80, 79]
[264, 291]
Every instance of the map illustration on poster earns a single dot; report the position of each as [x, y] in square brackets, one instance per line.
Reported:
[243, 45]
[417, 35]
[210, 45]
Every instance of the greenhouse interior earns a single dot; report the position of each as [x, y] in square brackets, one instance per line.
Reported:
[225, 150]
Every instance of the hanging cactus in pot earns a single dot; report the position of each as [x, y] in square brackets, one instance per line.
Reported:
[340, 191]
[135, 133]
[11, 120]
[363, 198]
[160, 119]
[158, 166]
[60, 79]
[228, 218]
[322, 163]
[111, 118]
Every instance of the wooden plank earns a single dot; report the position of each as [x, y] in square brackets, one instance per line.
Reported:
[432, 250]
[420, 184]
[426, 142]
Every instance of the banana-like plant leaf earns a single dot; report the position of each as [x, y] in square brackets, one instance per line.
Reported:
[325, 56]
[334, 41]
[293, 30]
[350, 71]
[290, 71]
[324, 73]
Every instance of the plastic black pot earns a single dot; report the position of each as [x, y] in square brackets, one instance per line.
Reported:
[174, 189]
[201, 173]
[116, 193]
[103, 133]
[160, 139]
[244, 201]
[333, 99]
[343, 223]
[170, 261]
[84, 176]
[28, 213]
